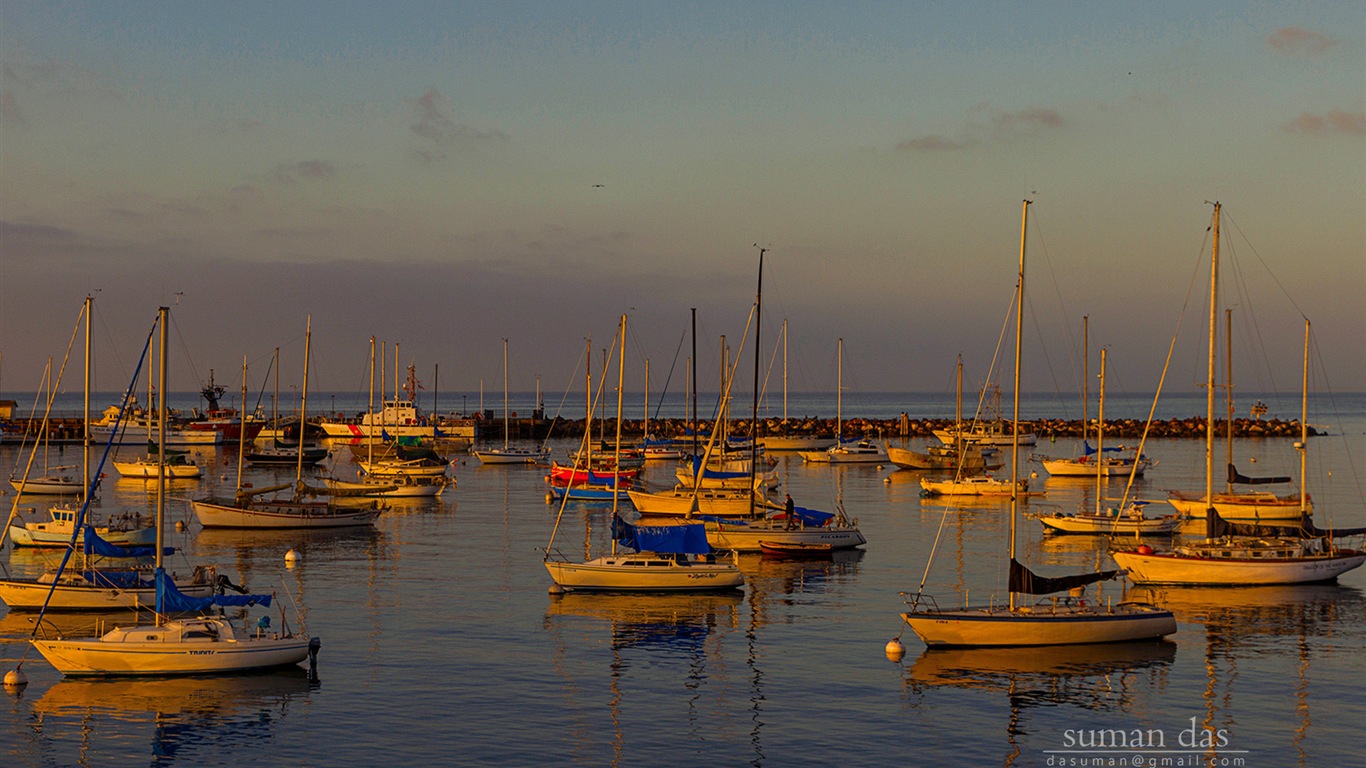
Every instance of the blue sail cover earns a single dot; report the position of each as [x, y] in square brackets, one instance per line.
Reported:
[689, 538]
[172, 600]
[812, 517]
[95, 546]
[1089, 451]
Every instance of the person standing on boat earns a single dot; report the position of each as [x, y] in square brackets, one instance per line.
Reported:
[790, 510]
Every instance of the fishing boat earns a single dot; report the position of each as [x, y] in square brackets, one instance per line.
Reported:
[507, 454]
[1247, 554]
[123, 530]
[854, 451]
[665, 558]
[246, 510]
[203, 644]
[1054, 620]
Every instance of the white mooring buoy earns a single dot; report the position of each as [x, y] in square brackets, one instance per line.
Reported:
[292, 556]
[15, 678]
[895, 650]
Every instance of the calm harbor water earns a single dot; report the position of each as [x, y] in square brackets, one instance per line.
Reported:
[441, 645]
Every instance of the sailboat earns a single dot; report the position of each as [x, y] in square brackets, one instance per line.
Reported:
[508, 454]
[1248, 554]
[789, 440]
[962, 456]
[1130, 520]
[93, 586]
[1233, 504]
[244, 510]
[199, 645]
[54, 480]
[175, 463]
[1107, 462]
[665, 558]
[859, 450]
[992, 431]
[1054, 621]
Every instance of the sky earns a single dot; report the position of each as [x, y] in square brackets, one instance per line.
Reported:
[445, 175]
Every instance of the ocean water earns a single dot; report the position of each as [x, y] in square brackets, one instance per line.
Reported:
[442, 646]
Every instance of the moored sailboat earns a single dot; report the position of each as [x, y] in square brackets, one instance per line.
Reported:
[1055, 621]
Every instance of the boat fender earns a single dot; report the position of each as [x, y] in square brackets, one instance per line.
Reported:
[1144, 549]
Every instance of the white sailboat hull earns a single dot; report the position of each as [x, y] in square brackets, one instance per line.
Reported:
[511, 456]
[30, 594]
[1061, 624]
[777, 443]
[48, 486]
[644, 572]
[1177, 568]
[277, 515]
[969, 486]
[149, 470]
[1110, 525]
[1088, 469]
[719, 502]
[841, 455]
[1242, 506]
[32, 535]
[196, 646]
[749, 538]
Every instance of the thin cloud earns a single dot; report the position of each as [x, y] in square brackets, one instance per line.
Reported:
[292, 173]
[11, 232]
[931, 144]
[1297, 40]
[988, 125]
[9, 110]
[1335, 122]
[438, 130]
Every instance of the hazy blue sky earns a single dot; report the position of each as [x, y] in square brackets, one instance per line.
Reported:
[446, 174]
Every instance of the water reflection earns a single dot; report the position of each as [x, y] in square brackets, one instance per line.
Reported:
[187, 716]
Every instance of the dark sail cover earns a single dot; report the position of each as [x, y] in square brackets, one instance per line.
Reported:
[1217, 527]
[1235, 477]
[1027, 582]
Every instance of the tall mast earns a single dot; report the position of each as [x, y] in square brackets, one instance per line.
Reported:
[161, 438]
[85, 418]
[370, 410]
[507, 419]
[303, 409]
[621, 390]
[839, 391]
[1228, 390]
[1100, 433]
[784, 371]
[1085, 372]
[694, 381]
[1209, 380]
[1304, 422]
[1015, 431]
[242, 433]
[758, 349]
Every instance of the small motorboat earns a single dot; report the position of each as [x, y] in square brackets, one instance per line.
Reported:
[795, 549]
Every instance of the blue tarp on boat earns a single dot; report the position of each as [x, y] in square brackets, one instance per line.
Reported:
[95, 546]
[689, 538]
[172, 600]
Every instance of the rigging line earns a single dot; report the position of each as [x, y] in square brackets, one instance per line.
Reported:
[185, 348]
[670, 377]
[1321, 371]
[1062, 308]
[1229, 220]
[1196, 272]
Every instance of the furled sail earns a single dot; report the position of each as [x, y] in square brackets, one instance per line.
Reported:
[1027, 582]
[1235, 477]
